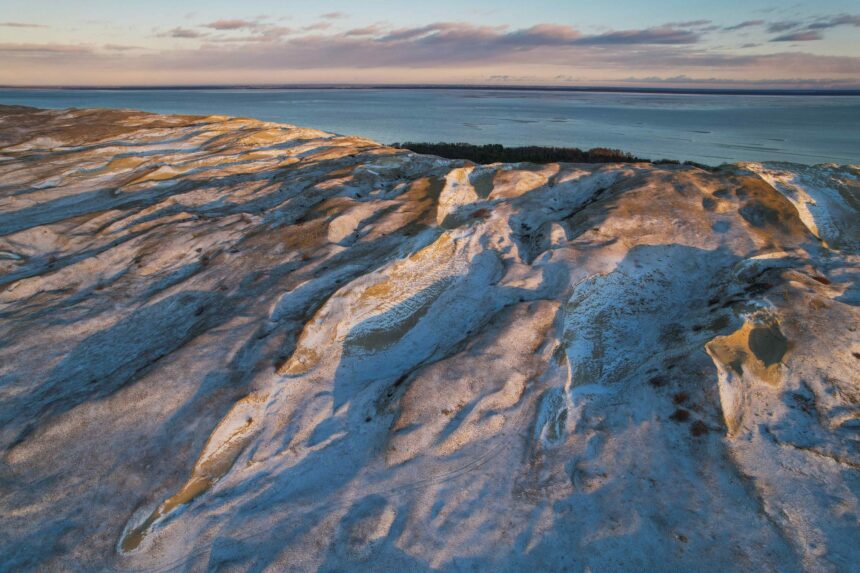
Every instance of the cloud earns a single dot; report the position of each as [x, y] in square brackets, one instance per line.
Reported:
[783, 25]
[317, 26]
[121, 47]
[402, 34]
[43, 49]
[21, 25]
[542, 35]
[267, 35]
[230, 24]
[809, 31]
[843, 20]
[683, 79]
[270, 33]
[659, 35]
[259, 31]
[333, 15]
[798, 37]
[372, 30]
[275, 31]
[744, 24]
[184, 33]
[689, 24]
[535, 36]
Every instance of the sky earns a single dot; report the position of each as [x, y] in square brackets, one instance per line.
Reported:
[686, 43]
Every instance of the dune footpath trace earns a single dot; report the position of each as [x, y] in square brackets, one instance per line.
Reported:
[234, 345]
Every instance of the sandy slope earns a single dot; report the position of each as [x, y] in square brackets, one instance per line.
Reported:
[240, 346]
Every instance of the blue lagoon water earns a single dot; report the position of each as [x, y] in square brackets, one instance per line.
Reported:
[707, 128]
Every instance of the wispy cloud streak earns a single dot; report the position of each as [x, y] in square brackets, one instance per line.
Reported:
[21, 25]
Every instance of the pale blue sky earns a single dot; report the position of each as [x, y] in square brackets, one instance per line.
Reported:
[443, 41]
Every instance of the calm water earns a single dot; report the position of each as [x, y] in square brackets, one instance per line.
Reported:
[709, 129]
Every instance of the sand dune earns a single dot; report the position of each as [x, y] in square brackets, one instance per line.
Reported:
[234, 345]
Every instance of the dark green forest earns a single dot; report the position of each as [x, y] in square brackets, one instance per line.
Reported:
[493, 153]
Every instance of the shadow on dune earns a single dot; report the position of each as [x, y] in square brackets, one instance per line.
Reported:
[107, 360]
[318, 486]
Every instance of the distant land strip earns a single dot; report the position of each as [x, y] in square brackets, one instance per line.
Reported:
[583, 89]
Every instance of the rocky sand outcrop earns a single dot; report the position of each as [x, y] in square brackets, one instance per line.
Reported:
[241, 346]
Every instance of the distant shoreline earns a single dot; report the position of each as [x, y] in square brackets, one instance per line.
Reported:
[572, 89]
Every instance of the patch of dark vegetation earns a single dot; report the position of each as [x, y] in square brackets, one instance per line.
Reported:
[680, 415]
[758, 214]
[680, 397]
[856, 355]
[805, 403]
[657, 381]
[822, 280]
[672, 334]
[698, 428]
[495, 153]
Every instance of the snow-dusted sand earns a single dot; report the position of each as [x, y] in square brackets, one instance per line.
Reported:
[239, 346]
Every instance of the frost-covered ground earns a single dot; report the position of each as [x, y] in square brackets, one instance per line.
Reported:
[239, 346]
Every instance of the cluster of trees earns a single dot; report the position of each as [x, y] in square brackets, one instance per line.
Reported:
[494, 153]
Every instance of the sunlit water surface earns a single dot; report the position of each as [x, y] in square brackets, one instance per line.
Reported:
[710, 129]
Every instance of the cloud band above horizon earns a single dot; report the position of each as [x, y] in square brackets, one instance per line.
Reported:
[332, 49]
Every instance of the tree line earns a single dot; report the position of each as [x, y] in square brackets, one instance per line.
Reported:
[495, 153]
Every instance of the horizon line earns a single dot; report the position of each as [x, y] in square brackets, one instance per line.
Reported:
[847, 91]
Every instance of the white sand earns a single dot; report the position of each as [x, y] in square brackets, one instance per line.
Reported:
[240, 346]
